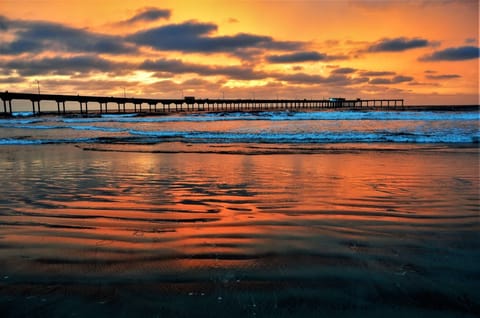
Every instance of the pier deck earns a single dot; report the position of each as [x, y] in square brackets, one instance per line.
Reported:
[105, 104]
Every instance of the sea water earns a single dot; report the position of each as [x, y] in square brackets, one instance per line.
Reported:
[421, 127]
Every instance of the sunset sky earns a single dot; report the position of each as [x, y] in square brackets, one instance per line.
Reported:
[425, 51]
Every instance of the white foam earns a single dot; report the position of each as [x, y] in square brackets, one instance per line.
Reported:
[22, 114]
[97, 128]
[14, 141]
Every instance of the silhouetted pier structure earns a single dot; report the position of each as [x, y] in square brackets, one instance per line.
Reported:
[158, 105]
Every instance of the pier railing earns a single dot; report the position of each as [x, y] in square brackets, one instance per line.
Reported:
[105, 104]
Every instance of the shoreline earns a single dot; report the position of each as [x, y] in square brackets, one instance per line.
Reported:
[254, 149]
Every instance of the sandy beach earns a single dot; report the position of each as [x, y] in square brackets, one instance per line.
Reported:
[347, 233]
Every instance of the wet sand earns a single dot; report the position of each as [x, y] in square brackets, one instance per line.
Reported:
[392, 230]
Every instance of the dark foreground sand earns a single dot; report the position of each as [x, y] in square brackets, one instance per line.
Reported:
[348, 233]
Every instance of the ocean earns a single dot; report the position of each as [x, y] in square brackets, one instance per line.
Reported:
[276, 127]
[342, 213]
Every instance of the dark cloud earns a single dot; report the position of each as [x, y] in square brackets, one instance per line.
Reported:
[34, 37]
[197, 37]
[190, 36]
[377, 81]
[300, 57]
[470, 40]
[65, 66]
[398, 45]
[241, 72]
[250, 55]
[3, 23]
[453, 54]
[167, 66]
[394, 80]
[242, 40]
[377, 73]
[148, 15]
[442, 76]
[344, 70]
[174, 36]
[401, 79]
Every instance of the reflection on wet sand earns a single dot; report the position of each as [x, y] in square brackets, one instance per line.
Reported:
[353, 233]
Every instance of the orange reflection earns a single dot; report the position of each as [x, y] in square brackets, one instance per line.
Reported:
[153, 212]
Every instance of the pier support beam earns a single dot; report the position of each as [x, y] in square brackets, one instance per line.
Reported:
[10, 106]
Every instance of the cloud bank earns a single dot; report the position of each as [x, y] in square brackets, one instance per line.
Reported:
[453, 54]
[148, 15]
[398, 44]
[300, 57]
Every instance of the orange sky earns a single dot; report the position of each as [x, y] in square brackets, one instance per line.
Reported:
[421, 50]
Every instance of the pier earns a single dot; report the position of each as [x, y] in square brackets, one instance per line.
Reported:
[104, 104]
